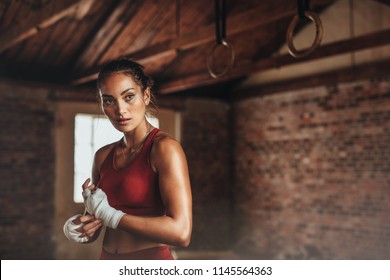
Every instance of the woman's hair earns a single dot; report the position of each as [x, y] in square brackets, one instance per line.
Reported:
[133, 70]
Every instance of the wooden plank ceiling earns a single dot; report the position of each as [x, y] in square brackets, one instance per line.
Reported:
[65, 42]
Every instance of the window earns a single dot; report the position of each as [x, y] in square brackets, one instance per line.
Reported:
[91, 133]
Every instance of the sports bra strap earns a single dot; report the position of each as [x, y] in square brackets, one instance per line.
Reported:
[150, 137]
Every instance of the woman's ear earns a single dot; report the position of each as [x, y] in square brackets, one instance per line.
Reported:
[147, 96]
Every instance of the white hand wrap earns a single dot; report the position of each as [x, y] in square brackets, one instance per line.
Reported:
[97, 204]
[70, 230]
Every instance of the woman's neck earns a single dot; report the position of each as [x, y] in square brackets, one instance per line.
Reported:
[138, 135]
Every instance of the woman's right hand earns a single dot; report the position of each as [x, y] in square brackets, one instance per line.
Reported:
[91, 227]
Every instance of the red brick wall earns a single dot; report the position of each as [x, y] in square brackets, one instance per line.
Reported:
[206, 142]
[26, 173]
[310, 178]
[312, 173]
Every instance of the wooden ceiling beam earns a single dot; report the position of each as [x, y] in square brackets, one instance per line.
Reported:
[40, 19]
[237, 24]
[340, 47]
[333, 77]
[385, 2]
[103, 38]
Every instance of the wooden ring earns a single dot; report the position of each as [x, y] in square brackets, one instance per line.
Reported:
[290, 32]
[229, 65]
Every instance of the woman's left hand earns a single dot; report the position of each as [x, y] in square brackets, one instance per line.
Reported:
[96, 203]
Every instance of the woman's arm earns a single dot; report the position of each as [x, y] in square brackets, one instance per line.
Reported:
[169, 161]
[93, 227]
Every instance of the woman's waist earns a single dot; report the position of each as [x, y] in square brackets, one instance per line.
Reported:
[117, 241]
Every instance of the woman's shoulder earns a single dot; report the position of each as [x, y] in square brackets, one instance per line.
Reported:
[102, 153]
[166, 148]
[106, 148]
[163, 141]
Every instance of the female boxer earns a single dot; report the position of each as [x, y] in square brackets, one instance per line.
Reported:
[140, 188]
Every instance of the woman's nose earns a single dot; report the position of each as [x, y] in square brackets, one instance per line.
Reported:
[120, 107]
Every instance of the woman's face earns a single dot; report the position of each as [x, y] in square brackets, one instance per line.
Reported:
[123, 101]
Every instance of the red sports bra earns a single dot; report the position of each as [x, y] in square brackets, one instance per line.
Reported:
[133, 189]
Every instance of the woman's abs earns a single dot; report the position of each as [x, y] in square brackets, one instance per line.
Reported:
[117, 241]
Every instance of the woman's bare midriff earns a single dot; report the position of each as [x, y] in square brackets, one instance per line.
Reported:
[117, 241]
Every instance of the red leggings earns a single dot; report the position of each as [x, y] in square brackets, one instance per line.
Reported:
[154, 253]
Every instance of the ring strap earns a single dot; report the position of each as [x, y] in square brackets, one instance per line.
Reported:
[220, 38]
[220, 20]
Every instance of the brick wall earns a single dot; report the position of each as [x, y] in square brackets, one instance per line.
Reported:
[206, 142]
[312, 173]
[310, 177]
[26, 172]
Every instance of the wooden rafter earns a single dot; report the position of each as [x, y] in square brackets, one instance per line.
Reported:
[332, 77]
[344, 46]
[104, 37]
[237, 24]
[385, 2]
[47, 16]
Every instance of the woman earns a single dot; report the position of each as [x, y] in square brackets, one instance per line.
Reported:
[140, 185]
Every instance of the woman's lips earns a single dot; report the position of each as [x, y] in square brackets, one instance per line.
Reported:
[122, 121]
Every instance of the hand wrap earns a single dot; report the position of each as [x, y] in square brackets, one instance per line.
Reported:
[70, 230]
[96, 203]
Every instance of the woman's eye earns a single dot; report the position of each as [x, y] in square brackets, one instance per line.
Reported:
[129, 97]
[108, 101]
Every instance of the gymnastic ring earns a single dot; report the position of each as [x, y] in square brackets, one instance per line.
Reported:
[210, 59]
[290, 31]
